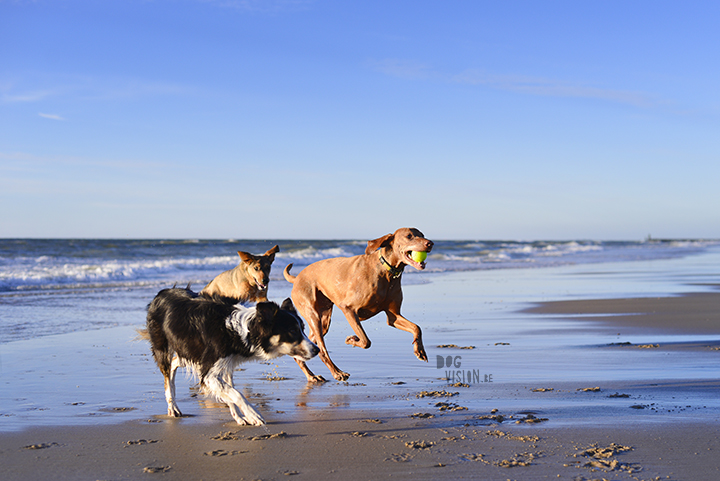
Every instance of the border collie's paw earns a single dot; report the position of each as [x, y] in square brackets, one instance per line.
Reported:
[249, 417]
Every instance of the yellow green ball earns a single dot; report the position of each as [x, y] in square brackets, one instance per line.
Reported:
[419, 256]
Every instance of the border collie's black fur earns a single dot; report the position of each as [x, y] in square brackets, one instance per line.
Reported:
[211, 338]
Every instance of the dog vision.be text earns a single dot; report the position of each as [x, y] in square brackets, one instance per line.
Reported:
[460, 375]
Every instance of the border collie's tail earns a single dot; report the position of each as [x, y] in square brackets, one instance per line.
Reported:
[142, 334]
[289, 277]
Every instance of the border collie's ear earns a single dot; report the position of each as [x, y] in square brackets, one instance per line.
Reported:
[266, 311]
[271, 253]
[375, 244]
[287, 305]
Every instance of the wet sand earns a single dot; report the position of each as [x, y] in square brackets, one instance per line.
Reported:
[622, 388]
[694, 313]
[347, 444]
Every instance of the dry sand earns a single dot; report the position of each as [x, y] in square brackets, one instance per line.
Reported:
[659, 429]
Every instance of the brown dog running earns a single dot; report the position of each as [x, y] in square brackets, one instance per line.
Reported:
[246, 282]
[361, 286]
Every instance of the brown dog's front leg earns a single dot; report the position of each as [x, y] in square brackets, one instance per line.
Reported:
[311, 377]
[399, 322]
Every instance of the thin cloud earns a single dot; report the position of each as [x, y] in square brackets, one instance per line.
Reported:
[263, 6]
[26, 96]
[552, 88]
[87, 88]
[412, 70]
[407, 69]
[51, 116]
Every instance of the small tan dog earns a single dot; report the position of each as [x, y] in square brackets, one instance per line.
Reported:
[246, 282]
[361, 287]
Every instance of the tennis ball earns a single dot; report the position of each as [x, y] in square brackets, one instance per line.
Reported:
[419, 256]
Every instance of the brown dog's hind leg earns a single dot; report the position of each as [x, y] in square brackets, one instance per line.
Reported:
[325, 357]
[399, 322]
[334, 370]
[325, 316]
[318, 316]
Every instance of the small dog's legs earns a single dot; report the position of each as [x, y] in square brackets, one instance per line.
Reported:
[173, 409]
[240, 409]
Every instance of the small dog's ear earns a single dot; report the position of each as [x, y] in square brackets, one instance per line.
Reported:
[266, 311]
[287, 305]
[375, 244]
[246, 257]
[271, 253]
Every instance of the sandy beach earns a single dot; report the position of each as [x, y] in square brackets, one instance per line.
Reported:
[365, 445]
[549, 383]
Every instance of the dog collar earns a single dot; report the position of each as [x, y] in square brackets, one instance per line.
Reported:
[394, 271]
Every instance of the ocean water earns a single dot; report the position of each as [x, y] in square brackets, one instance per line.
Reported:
[56, 286]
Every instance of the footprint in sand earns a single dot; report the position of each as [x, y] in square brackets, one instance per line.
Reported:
[454, 346]
[420, 444]
[226, 436]
[157, 469]
[374, 421]
[460, 384]
[422, 415]
[222, 452]
[281, 434]
[400, 458]
[443, 406]
[41, 446]
[603, 458]
[442, 393]
[140, 442]
[530, 419]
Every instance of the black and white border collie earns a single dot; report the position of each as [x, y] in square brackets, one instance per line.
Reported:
[211, 338]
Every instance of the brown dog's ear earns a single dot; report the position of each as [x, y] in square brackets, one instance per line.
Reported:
[374, 245]
[246, 257]
[271, 253]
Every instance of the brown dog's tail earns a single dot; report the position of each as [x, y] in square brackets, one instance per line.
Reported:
[289, 277]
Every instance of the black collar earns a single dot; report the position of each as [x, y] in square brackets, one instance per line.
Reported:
[395, 272]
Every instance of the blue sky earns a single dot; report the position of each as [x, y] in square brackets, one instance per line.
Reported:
[341, 119]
